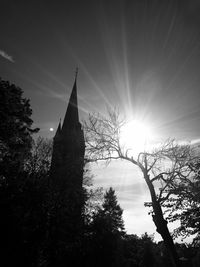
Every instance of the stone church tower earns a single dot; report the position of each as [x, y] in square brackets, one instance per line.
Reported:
[69, 147]
[66, 173]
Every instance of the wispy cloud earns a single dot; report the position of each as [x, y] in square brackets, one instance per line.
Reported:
[6, 56]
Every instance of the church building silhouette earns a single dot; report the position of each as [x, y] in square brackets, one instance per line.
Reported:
[66, 172]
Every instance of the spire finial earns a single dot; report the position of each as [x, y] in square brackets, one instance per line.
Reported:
[76, 73]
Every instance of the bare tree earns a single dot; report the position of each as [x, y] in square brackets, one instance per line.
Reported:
[39, 160]
[161, 167]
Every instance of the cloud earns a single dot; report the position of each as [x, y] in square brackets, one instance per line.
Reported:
[6, 56]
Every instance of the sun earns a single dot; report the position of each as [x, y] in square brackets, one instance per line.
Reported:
[136, 136]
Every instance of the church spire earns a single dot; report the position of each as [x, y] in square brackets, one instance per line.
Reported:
[71, 119]
[58, 131]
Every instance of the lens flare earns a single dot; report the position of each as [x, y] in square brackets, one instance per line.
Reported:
[136, 136]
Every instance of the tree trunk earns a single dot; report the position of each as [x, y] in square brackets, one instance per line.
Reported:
[161, 224]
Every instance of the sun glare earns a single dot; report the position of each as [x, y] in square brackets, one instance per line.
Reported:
[136, 135]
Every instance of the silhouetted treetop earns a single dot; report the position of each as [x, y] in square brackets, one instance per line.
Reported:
[15, 127]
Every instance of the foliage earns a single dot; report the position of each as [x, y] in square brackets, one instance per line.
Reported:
[140, 251]
[15, 146]
[16, 131]
[110, 214]
[107, 231]
[113, 211]
[184, 203]
[94, 198]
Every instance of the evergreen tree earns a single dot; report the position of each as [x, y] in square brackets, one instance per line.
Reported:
[108, 230]
[112, 212]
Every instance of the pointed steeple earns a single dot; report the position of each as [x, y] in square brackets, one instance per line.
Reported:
[71, 120]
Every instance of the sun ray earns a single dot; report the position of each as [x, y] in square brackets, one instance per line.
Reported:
[89, 76]
[136, 136]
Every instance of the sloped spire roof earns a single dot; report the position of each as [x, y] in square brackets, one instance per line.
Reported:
[58, 131]
[71, 119]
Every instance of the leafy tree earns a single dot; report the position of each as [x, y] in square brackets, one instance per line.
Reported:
[94, 198]
[160, 167]
[15, 130]
[184, 203]
[131, 251]
[34, 201]
[140, 251]
[15, 145]
[108, 230]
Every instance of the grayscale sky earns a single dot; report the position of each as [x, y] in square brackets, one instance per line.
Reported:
[141, 56]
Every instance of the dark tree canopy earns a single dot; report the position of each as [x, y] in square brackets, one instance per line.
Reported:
[184, 203]
[113, 211]
[107, 230]
[15, 146]
[15, 127]
[110, 215]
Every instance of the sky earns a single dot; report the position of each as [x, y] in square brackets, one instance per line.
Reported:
[141, 56]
